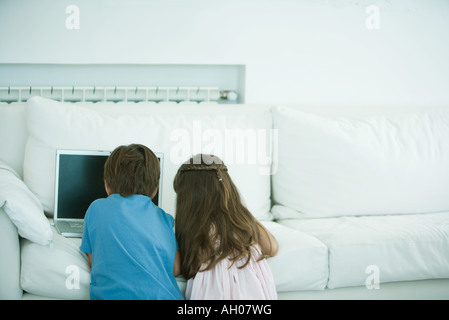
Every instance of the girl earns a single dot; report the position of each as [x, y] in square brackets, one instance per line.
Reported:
[222, 246]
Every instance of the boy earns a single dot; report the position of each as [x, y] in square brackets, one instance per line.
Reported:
[130, 241]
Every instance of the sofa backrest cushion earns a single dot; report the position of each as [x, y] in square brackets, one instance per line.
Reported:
[328, 166]
[235, 133]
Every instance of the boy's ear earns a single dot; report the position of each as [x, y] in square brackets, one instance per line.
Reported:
[106, 187]
[154, 193]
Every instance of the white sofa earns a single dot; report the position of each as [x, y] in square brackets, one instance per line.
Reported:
[358, 197]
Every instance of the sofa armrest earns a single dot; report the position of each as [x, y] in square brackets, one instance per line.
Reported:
[9, 259]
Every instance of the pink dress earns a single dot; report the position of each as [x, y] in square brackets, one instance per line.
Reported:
[226, 282]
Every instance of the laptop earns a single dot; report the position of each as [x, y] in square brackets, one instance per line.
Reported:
[78, 182]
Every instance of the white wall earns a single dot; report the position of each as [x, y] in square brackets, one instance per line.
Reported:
[296, 51]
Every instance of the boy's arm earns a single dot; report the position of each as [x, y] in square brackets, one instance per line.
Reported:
[89, 255]
[85, 240]
[177, 264]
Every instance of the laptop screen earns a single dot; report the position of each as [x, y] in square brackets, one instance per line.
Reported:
[80, 182]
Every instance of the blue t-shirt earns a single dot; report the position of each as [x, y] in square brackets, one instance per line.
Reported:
[133, 249]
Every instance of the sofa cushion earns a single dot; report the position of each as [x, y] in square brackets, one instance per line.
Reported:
[62, 271]
[301, 262]
[238, 134]
[22, 207]
[396, 247]
[361, 165]
[59, 270]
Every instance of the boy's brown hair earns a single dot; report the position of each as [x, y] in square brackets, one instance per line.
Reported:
[132, 169]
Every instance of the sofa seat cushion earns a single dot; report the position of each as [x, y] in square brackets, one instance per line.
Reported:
[301, 262]
[387, 248]
[59, 270]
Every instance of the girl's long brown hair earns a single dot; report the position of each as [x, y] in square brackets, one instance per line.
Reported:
[211, 222]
